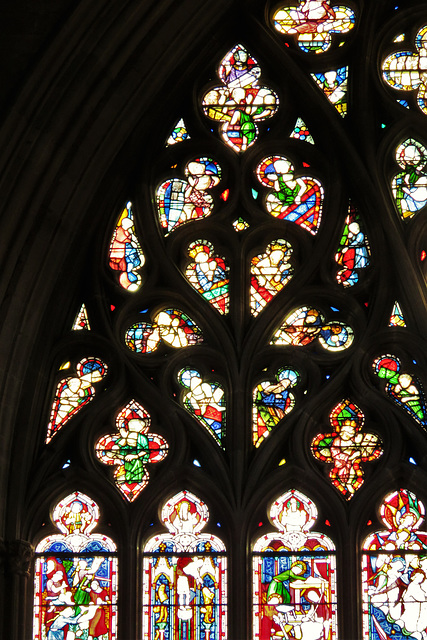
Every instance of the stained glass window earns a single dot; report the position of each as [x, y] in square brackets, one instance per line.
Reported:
[353, 252]
[297, 200]
[270, 271]
[394, 571]
[184, 576]
[396, 318]
[294, 581]
[205, 401]
[126, 255]
[312, 23]
[179, 201]
[131, 449]
[271, 402]
[75, 582]
[240, 224]
[81, 320]
[346, 447]
[409, 186]
[303, 326]
[74, 392]
[402, 387]
[179, 133]
[240, 103]
[404, 70]
[208, 274]
[301, 132]
[170, 326]
[258, 341]
[333, 83]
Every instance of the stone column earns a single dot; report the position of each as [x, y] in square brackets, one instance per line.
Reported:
[2, 583]
[17, 564]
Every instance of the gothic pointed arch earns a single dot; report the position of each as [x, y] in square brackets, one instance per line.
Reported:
[90, 132]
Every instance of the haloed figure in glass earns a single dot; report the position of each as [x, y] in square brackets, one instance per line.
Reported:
[294, 576]
[185, 580]
[75, 581]
[394, 574]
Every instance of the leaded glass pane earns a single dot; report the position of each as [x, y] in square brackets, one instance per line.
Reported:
[75, 582]
[240, 103]
[184, 576]
[394, 571]
[74, 392]
[294, 582]
[312, 22]
[346, 447]
[131, 449]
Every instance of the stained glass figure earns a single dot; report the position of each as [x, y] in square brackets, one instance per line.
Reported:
[240, 224]
[73, 392]
[170, 325]
[270, 271]
[394, 570]
[179, 133]
[353, 253]
[126, 255]
[180, 201]
[346, 448]
[396, 318]
[75, 583]
[306, 324]
[294, 581]
[184, 576]
[205, 401]
[312, 23]
[301, 132]
[334, 85]
[240, 102]
[297, 200]
[131, 449]
[403, 388]
[209, 274]
[271, 402]
[409, 186]
[405, 70]
[81, 321]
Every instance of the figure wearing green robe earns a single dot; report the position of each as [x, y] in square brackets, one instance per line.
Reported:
[277, 586]
[134, 468]
[247, 126]
[287, 194]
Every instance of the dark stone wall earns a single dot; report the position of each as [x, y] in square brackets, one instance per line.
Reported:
[27, 27]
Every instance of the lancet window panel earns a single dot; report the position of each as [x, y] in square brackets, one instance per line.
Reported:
[76, 576]
[184, 576]
[294, 575]
[394, 571]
